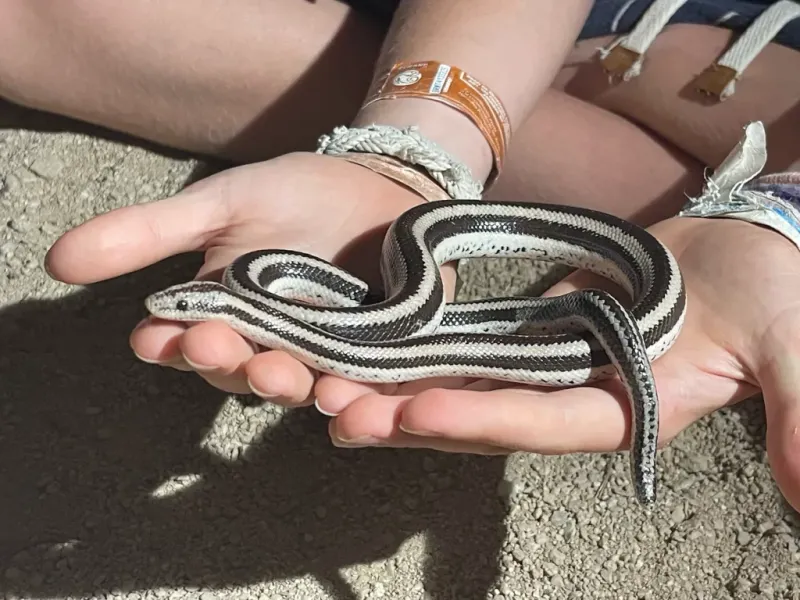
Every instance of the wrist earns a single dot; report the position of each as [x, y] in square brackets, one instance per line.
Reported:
[452, 131]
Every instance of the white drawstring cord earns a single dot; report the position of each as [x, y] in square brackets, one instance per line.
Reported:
[624, 56]
[720, 78]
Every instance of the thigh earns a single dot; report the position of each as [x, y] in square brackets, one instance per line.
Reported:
[662, 98]
[247, 79]
[574, 153]
[637, 148]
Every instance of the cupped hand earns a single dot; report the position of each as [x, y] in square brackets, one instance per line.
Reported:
[741, 336]
[317, 204]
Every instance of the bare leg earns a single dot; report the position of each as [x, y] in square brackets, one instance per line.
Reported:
[634, 149]
[246, 80]
[661, 99]
[572, 152]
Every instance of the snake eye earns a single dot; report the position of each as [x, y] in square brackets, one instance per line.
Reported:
[182, 305]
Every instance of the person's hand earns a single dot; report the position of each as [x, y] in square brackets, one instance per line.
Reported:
[741, 336]
[321, 205]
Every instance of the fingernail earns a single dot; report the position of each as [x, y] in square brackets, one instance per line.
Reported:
[198, 367]
[324, 412]
[406, 429]
[260, 393]
[149, 361]
[359, 442]
[47, 269]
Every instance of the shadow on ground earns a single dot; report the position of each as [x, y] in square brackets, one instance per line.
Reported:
[88, 432]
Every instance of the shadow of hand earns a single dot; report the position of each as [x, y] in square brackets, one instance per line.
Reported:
[120, 475]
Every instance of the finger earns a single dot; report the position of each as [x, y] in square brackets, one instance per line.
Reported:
[161, 342]
[412, 388]
[180, 346]
[372, 420]
[224, 359]
[557, 422]
[279, 378]
[334, 394]
[135, 237]
[218, 354]
[156, 341]
[780, 384]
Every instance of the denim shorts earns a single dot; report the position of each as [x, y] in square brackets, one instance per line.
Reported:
[617, 17]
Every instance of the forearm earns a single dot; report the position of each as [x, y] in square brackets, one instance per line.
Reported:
[515, 47]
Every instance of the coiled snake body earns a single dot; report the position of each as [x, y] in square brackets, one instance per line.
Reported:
[307, 307]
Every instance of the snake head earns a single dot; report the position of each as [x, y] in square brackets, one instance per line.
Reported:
[192, 301]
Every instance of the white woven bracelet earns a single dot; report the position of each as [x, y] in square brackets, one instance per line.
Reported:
[410, 147]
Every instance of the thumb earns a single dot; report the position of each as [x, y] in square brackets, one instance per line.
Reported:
[780, 384]
[134, 237]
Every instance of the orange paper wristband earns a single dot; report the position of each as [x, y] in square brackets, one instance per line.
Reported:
[452, 86]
